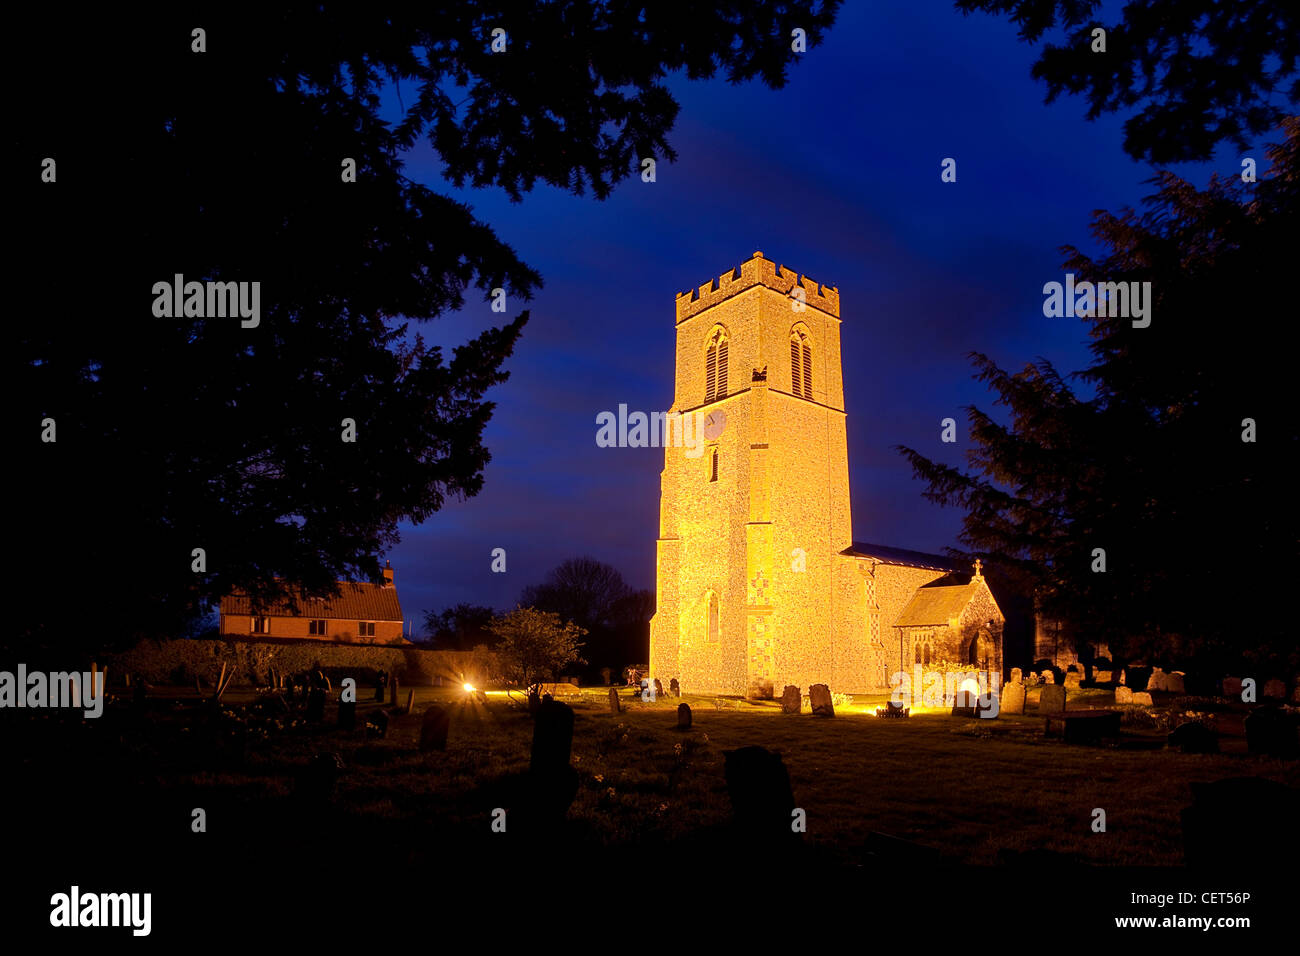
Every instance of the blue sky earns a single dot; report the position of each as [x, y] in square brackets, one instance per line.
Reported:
[837, 176]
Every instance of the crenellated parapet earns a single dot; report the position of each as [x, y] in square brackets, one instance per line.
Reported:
[757, 271]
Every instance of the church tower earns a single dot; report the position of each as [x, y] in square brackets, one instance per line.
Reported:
[752, 592]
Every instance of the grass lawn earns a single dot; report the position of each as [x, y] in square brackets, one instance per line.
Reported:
[970, 788]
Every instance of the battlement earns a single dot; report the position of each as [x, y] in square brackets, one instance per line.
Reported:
[752, 272]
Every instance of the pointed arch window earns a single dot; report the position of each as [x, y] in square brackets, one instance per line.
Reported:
[800, 363]
[715, 365]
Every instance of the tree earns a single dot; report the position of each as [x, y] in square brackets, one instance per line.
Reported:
[199, 455]
[535, 644]
[1178, 464]
[459, 628]
[1201, 71]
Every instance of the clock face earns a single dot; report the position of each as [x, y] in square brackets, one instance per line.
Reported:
[713, 425]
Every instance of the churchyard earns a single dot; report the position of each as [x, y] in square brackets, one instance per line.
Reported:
[974, 790]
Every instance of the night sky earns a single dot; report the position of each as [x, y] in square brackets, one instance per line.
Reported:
[838, 177]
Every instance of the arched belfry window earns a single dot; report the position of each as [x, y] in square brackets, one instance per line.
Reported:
[711, 625]
[715, 365]
[800, 363]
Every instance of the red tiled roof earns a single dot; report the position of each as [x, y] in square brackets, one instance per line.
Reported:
[356, 602]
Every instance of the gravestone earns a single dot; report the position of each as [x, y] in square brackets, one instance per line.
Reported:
[1141, 699]
[683, 716]
[1013, 698]
[1048, 677]
[377, 724]
[1051, 699]
[316, 705]
[392, 692]
[1017, 675]
[1274, 690]
[791, 700]
[1123, 695]
[1158, 680]
[347, 715]
[552, 736]
[615, 707]
[1072, 679]
[659, 689]
[433, 729]
[762, 801]
[819, 698]
[1232, 687]
[1136, 678]
[381, 681]
[1194, 737]
[1176, 682]
[1271, 731]
[1103, 677]
[674, 688]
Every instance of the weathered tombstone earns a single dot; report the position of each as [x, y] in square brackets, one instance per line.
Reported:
[1158, 680]
[381, 681]
[1241, 822]
[674, 688]
[392, 692]
[534, 700]
[347, 715]
[1072, 679]
[1194, 737]
[1175, 683]
[791, 700]
[1051, 699]
[762, 802]
[1048, 677]
[1232, 687]
[1141, 699]
[614, 706]
[683, 716]
[659, 689]
[433, 729]
[552, 736]
[1017, 675]
[1136, 678]
[1274, 690]
[1271, 731]
[410, 700]
[316, 781]
[1123, 695]
[316, 705]
[819, 698]
[1013, 698]
[1103, 677]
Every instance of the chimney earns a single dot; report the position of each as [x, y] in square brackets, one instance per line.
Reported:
[388, 575]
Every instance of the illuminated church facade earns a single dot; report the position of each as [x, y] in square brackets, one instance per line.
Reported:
[759, 583]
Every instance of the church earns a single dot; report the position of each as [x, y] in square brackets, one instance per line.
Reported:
[759, 582]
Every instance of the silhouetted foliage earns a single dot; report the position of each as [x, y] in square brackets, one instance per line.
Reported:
[460, 628]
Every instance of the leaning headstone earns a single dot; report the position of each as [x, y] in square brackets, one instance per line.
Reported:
[1194, 737]
[1232, 687]
[1123, 695]
[433, 729]
[819, 698]
[315, 705]
[1051, 699]
[347, 715]
[683, 716]
[791, 700]
[614, 706]
[674, 688]
[1017, 675]
[1142, 699]
[762, 802]
[1013, 698]
[410, 700]
[1274, 690]
[1271, 731]
[659, 689]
